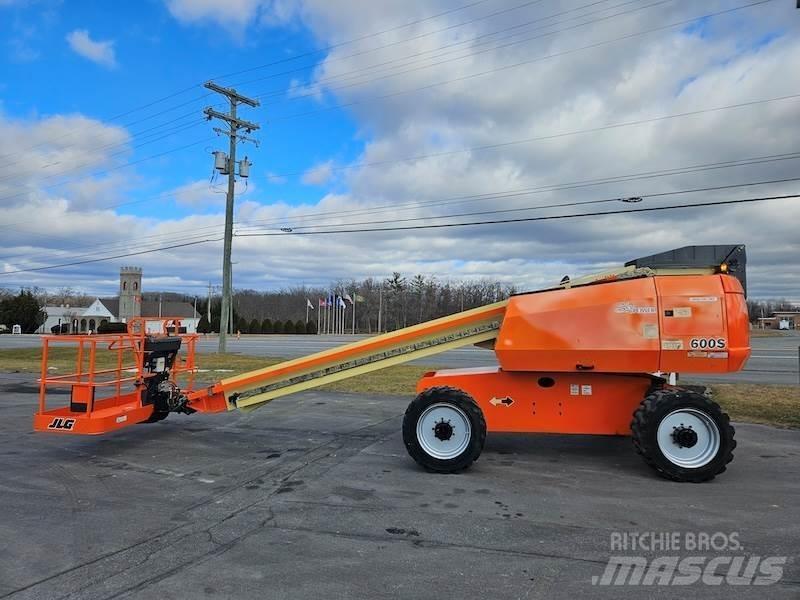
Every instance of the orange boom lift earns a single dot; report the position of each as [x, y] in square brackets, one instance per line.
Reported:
[595, 355]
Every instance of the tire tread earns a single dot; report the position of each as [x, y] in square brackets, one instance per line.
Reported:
[643, 421]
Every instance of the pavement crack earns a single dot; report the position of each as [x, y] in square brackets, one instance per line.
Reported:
[439, 544]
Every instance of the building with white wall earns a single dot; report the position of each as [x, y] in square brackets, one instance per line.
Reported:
[129, 304]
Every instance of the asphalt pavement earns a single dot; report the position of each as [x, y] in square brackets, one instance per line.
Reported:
[314, 496]
[773, 360]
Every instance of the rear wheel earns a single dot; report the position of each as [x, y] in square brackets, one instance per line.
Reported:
[683, 435]
[444, 429]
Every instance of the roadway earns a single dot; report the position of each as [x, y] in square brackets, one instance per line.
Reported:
[774, 359]
[313, 496]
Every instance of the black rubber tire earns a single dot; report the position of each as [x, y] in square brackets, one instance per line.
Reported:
[459, 399]
[644, 429]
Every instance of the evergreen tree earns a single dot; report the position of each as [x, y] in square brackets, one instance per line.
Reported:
[24, 310]
[254, 327]
[311, 327]
[266, 326]
[277, 327]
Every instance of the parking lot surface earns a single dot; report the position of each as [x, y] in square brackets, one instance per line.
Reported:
[314, 496]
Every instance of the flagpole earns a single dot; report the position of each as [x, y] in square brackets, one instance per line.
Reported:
[208, 308]
[355, 299]
[319, 315]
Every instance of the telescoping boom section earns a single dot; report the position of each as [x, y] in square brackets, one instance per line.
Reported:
[253, 389]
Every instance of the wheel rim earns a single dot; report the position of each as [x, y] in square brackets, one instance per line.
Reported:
[688, 438]
[443, 431]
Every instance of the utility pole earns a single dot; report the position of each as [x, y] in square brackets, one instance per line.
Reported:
[227, 165]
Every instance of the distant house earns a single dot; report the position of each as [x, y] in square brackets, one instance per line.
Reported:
[783, 319]
[129, 304]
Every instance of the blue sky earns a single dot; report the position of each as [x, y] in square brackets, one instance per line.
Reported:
[156, 56]
[458, 83]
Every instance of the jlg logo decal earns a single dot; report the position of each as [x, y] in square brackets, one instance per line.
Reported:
[707, 343]
[62, 424]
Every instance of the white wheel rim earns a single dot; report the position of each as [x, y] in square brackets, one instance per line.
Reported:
[457, 426]
[706, 438]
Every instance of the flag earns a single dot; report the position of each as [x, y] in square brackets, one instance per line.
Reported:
[322, 303]
[309, 305]
[348, 298]
[358, 298]
[340, 302]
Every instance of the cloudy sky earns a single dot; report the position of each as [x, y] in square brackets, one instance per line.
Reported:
[395, 113]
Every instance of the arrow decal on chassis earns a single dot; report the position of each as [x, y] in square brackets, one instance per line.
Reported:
[505, 401]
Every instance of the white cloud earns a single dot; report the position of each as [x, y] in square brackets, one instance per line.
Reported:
[100, 52]
[670, 71]
[319, 174]
[233, 15]
[200, 194]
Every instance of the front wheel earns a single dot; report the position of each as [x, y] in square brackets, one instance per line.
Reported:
[683, 435]
[444, 429]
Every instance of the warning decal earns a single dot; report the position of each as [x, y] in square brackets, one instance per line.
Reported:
[672, 344]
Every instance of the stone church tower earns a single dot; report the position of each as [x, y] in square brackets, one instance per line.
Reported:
[130, 293]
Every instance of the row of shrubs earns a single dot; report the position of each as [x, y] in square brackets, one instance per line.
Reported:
[265, 326]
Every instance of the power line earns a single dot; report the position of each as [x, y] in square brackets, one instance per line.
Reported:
[382, 162]
[94, 260]
[346, 42]
[257, 67]
[420, 227]
[116, 168]
[199, 98]
[411, 39]
[547, 188]
[198, 232]
[530, 219]
[577, 203]
[472, 52]
[510, 66]
[550, 136]
[182, 128]
[638, 197]
[153, 137]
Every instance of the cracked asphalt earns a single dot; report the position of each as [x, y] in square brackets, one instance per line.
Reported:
[314, 496]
